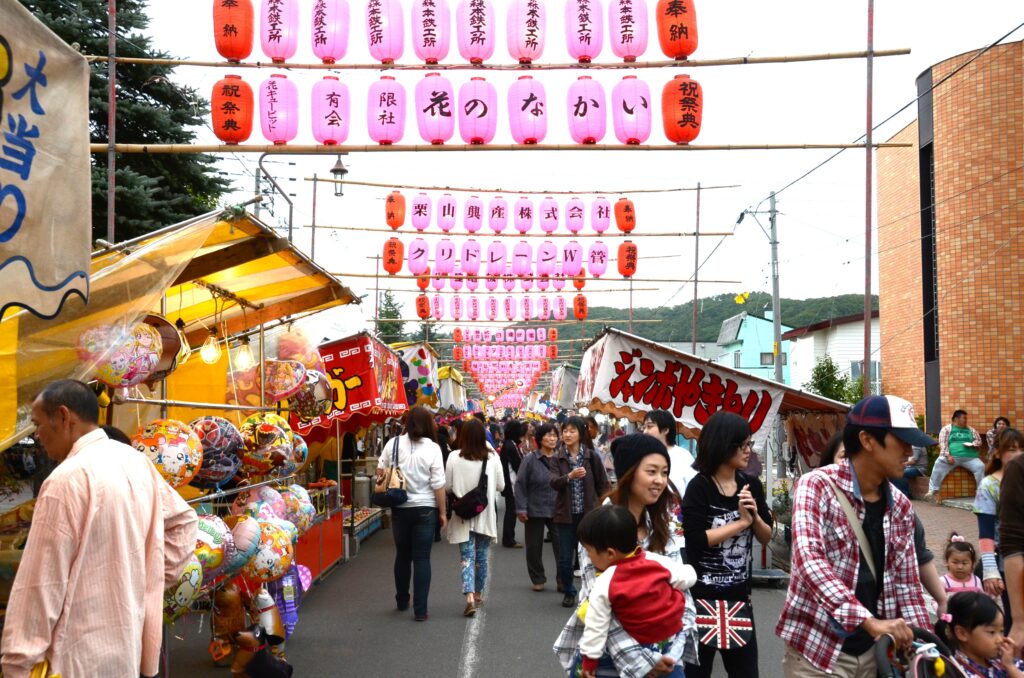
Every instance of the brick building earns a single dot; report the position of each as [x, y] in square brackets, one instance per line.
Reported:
[951, 243]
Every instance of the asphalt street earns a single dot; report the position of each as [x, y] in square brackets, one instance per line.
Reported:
[348, 625]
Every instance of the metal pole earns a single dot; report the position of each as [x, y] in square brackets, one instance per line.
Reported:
[111, 116]
[866, 370]
[376, 298]
[630, 306]
[277, 187]
[312, 241]
[776, 305]
[263, 364]
[258, 193]
[696, 266]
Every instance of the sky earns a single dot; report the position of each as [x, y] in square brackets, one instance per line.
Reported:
[821, 218]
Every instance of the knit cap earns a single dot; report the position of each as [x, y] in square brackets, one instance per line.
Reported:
[628, 450]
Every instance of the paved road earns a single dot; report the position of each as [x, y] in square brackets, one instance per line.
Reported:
[348, 625]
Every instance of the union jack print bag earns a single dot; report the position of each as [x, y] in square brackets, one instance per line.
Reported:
[724, 624]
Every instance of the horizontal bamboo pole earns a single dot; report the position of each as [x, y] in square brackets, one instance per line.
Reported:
[535, 233]
[572, 65]
[469, 323]
[317, 149]
[460, 189]
[566, 291]
[517, 292]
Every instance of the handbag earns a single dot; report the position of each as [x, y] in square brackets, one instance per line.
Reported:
[389, 491]
[473, 503]
[724, 624]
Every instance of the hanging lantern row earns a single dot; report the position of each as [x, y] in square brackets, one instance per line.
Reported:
[437, 107]
[511, 335]
[473, 308]
[472, 282]
[549, 214]
[467, 366]
[505, 352]
[475, 27]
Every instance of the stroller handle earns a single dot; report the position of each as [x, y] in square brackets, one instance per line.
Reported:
[884, 644]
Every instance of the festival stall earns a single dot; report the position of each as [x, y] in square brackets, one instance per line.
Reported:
[452, 391]
[419, 373]
[563, 386]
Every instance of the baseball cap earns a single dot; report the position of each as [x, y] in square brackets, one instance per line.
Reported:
[891, 413]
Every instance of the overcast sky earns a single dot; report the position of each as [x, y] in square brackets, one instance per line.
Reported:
[821, 221]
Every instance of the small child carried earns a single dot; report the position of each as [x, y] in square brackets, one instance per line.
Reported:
[644, 591]
[961, 559]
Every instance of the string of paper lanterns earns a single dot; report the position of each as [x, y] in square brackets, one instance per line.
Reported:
[491, 307]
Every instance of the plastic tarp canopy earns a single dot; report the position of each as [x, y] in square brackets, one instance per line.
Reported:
[452, 392]
[563, 385]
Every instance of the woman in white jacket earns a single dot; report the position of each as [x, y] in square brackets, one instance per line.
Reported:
[474, 536]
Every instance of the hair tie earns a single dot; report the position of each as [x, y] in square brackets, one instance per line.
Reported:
[956, 538]
[948, 618]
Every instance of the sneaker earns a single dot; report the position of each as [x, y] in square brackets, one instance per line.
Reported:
[577, 573]
[930, 498]
[538, 587]
[422, 617]
[469, 611]
[568, 600]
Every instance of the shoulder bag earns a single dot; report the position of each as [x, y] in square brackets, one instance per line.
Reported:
[473, 503]
[390, 489]
[855, 525]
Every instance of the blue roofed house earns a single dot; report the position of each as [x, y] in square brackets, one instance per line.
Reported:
[745, 343]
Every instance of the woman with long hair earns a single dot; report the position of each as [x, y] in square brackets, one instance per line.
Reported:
[413, 523]
[511, 457]
[474, 535]
[535, 503]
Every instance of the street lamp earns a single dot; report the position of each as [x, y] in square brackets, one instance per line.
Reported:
[338, 172]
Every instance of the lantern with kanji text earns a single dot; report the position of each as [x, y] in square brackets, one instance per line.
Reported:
[473, 308]
[574, 213]
[552, 334]
[279, 29]
[627, 28]
[677, 27]
[421, 206]
[627, 259]
[233, 28]
[586, 108]
[682, 107]
[548, 215]
[231, 107]
[579, 307]
[437, 307]
[559, 308]
[625, 215]
[631, 110]
[446, 208]
[394, 209]
[527, 111]
[457, 353]
[497, 214]
[579, 281]
[475, 29]
[600, 214]
[584, 29]
[385, 116]
[423, 281]
[279, 109]
[526, 308]
[527, 25]
[473, 214]
[478, 111]
[457, 335]
[394, 251]
[431, 29]
[330, 106]
[435, 101]
[552, 351]
[385, 31]
[456, 307]
[544, 308]
[422, 306]
[597, 259]
[523, 215]
[492, 308]
[330, 30]
[510, 307]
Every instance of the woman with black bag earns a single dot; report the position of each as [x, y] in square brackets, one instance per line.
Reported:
[474, 478]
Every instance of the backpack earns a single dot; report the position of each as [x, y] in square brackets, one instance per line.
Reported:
[473, 503]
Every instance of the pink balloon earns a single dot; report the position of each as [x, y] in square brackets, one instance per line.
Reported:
[478, 111]
[527, 111]
[575, 210]
[572, 259]
[522, 256]
[435, 104]
[627, 28]
[385, 31]
[431, 29]
[437, 306]
[498, 214]
[597, 259]
[584, 29]
[496, 253]
[279, 109]
[559, 308]
[473, 214]
[471, 257]
[444, 257]
[631, 110]
[473, 308]
[330, 108]
[527, 25]
[523, 215]
[492, 308]
[421, 206]
[544, 308]
[474, 24]
[587, 114]
[279, 29]
[547, 255]
[385, 116]
[446, 208]
[510, 313]
[330, 30]
[419, 256]
[600, 214]
[456, 307]
[526, 308]
[548, 215]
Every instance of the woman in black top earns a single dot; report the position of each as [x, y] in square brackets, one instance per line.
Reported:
[723, 510]
[511, 457]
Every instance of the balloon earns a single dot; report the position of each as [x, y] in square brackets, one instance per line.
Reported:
[128, 358]
[296, 511]
[173, 447]
[268, 442]
[314, 398]
[282, 379]
[273, 556]
[271, 498]
[215, 545]
[221, 444]
[179, 597]
[245, 532]
[295, 345]
[296, 461]
[287, 526]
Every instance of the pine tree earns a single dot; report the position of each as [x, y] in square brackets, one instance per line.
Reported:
[390, 328]
[152, 191]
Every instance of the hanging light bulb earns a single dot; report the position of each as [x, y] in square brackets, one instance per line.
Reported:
[210, 352]
[244, 359]
[185, 351]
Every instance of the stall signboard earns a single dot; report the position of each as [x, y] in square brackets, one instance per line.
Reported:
[44, 154]
[808, 434]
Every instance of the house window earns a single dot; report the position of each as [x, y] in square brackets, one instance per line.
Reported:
[768, 359]
[856, 370]
[736, 362]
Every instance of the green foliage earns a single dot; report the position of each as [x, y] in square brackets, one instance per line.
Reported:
[829, 381]
[389, 326]
[152, 191]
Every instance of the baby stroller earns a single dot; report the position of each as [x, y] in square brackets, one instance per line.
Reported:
[928, 657]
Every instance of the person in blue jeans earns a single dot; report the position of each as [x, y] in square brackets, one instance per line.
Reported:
[915, 467]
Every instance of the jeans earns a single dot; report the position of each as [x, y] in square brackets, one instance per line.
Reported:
[474, 562]
[942, 469]
[739, 663]
[903, 484]
[534, 538]
[413, 530]
[567, 545]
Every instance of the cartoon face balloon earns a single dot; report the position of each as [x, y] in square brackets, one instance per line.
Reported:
[296, 461]
[298, 510]
[179, 597]
[245, 532]
[173, 447]
[215, 545]
[295, 345]
[221, 444]
[273, 556]
[314, 398]
[130, 357]
[268, 443]
[282, 379]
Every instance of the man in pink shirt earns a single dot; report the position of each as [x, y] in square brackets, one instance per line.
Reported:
[108, 536]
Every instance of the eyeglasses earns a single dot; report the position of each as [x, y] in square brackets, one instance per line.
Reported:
[748, 445]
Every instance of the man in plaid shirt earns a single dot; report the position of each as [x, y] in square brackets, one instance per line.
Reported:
[835, 608]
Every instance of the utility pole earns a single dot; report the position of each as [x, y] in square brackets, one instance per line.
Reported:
[111, 119]
[866, 370]
[259, 193]
[776, 304]
[696, 268]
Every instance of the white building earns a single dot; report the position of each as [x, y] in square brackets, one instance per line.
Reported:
[840, 338]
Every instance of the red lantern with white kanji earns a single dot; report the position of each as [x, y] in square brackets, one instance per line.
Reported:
[627, 259]
[394, 251]
[677, 27]
[625, 215]
[385, 115]
[231, 107]
[330, 104]
[547, 255]
[431, 29]
[473, 214]
[523, 215]
[394, 210]
[572, 258]
[496, 253]
[527, 27]
[631, 110]
[584, 29]
[579, 280]
[579, 307]
[457, 353]
[478, 111]
[497, 214]
[330, 30]
[597, 259]
[446, 209]
[559, 309]
[423, 281]
[421, 208]
[385, 31]
[552, 351]
[682, 108]
[419, 256]
[444, 257]
[279, 109]
[422, 307]
[475, 29]
[279, 29]
[587, 112]
[233, 28]
[437, 307]
[470, 257]
[435, 108]
[627, 28]
[527, 111]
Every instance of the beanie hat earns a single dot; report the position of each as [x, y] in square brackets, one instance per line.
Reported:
[628, 450]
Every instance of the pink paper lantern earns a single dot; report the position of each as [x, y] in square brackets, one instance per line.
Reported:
[471, 258]
[559, 309]
[419, 256]
[435, 100]
[526, 284]
[508, 280]
[527, 111]
[331, 107]
[473, 308]
[527, 25]
[572, 259]
[531, 335]
[492, 308]
[279, 29]
[474, 24]
[385, 32]
[437, 281]
[431, 29]
[522, 256]
[473, 214]
[444, 257]
[600, 214]
[491, 283]
[446, 208]
[544, 308]
[543, 282]
[279, 109]
[558, 281]
[510, 313]
[575, 210]
[520, 335]
[496, 253]
[330, 30]
[584, 29]
[549, 215]
[526, 308]
[437, 306]
[547, 255]
[456, 279]
[587, 114]
[421, 207]
[385, 116]
[478, 111]
[631, 110]
[456, 307]
[627, 28]
[523, 215]
[597, 259]
[497, 214]
[472, 282]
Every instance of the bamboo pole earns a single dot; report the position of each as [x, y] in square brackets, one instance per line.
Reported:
[469, 323]
[528, 68]
[566, 291]
[515, 191]
[515, 234]
[316, 149]
[468, 293]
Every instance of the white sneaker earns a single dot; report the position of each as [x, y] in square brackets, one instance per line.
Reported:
[577, 573]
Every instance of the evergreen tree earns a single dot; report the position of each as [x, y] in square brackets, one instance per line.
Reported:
[390, 328]
[827, 380]
[152, 191]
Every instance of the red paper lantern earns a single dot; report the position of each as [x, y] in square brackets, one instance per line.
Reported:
[423, 307]
[627, 259]
[232, 108]
[553, 334]
[394, 209]
[579, 307]
[682, 107]
[545, 365]
[625, 215]
[677, 28]
[233, 28]
[457, 353]
[552, 351]
[394, 253]
[579, 280]
[457, 334]
[423, 282]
